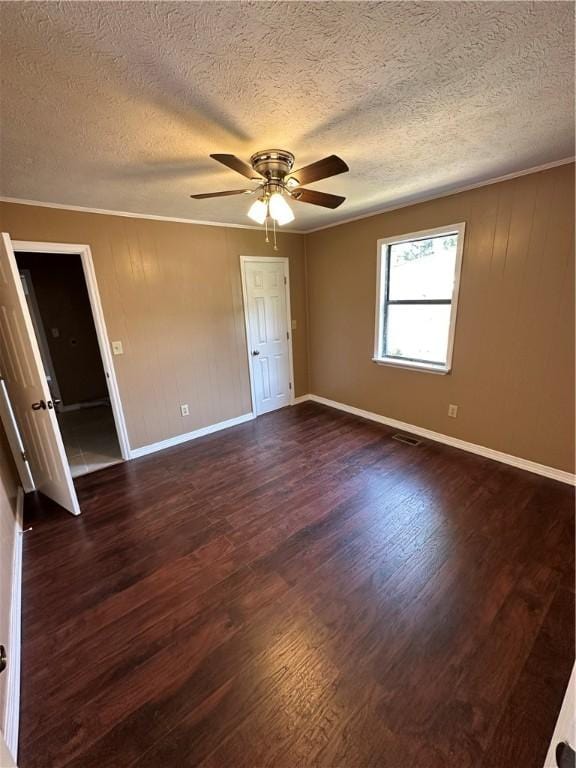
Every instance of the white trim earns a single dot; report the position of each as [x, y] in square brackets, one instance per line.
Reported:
[12, 710]
[99, 323]
[136, 453]
[131, 215]
[267, 259]
[415, 200]
[411, 365]
[480, 450]
[382, 244]
[447, 192]
[301, 399]
[81, 406]
[565, 729]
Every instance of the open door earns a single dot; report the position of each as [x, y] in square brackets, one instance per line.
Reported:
[27, 387]
[5, 756]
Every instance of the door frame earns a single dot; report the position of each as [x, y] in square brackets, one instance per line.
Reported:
[85, 254]
[286, 262]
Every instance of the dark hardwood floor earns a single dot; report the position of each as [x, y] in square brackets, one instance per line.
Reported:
[301, 590]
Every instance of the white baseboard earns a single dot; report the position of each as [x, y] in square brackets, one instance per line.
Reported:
[480, 450]
[565, 729]
[12, 712]
[135, 453]
[79, 406]
[300, 399]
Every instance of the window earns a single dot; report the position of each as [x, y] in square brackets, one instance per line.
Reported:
[418, 278]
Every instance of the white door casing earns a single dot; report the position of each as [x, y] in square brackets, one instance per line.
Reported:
[265, 284]
[85, 253]
[26, 385]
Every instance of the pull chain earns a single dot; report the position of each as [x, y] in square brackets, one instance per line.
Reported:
[275, 246]
[266, 225]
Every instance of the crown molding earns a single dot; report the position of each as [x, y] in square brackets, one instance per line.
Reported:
[131, 215]
[447, 192]
[415, 200]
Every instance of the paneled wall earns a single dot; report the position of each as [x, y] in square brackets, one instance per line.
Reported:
[172, 294]
[513, 365]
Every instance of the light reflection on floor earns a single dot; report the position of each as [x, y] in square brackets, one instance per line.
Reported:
[90, 439]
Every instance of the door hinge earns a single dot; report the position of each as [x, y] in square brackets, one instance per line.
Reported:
[289, 385]
[24, 455]
[285, 281]
[287, 335]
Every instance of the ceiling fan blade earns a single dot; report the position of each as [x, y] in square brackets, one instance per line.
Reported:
[317, 198]
[321, 169]
[233, 162]
[222, 194]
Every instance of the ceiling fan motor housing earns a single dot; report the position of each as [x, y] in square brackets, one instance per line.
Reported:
[273, 164]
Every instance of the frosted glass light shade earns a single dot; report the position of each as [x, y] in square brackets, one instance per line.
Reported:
[279, 209]
[258, 211]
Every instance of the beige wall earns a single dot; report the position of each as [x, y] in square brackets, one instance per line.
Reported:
[513, 365]
[172, 294]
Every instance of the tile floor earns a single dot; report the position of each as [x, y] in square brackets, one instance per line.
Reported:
[90, 439]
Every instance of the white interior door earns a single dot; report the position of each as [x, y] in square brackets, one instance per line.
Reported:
[266, 306]
[28, 389]
[5, 756]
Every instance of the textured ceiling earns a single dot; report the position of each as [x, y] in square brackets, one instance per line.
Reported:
[118, 105]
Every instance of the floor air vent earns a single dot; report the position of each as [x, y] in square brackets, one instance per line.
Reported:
[408, 439]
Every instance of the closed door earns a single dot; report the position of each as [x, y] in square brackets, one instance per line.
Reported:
[266, 304]
[27, 388]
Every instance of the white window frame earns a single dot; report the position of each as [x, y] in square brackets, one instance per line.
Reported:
[381, 286]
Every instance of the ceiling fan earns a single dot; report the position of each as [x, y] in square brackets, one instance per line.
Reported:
[272, 168]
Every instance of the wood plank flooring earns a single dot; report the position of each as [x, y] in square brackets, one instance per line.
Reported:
[301, 590]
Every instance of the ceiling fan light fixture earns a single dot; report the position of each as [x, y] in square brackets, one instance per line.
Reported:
[258, 211]
[272, 169]
[279, 209]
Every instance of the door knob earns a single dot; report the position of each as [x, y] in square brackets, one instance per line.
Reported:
[565, 755]
[255, 352]
[52, 403]
[41, 405]
[3, 658]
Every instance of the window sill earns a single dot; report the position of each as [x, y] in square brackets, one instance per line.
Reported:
[426, 367]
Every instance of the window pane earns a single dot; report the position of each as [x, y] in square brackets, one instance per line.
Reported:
[423, 269]
[418, 332]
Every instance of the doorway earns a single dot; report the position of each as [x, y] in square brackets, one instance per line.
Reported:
[61, 308]
[266, 290]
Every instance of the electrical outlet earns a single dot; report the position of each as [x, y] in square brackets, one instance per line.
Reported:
[117, 348]
[453, 411]
[184, 410]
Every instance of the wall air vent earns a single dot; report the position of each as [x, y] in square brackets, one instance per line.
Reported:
[408, 439]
